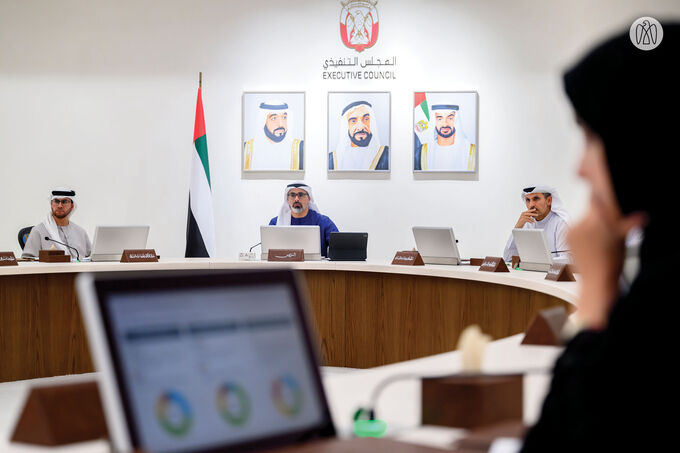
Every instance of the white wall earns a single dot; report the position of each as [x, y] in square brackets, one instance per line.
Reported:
[100, 95]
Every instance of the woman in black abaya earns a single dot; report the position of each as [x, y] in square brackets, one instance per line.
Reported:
[612, 388]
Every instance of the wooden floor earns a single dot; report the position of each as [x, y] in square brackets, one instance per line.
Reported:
[362, 319]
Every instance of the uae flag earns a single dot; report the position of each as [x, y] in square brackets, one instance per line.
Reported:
[421, 116]
[200, 220]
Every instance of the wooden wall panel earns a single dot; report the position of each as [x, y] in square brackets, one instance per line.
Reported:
[327, 297]
[41, 330]
[391, 317]
[362, 319]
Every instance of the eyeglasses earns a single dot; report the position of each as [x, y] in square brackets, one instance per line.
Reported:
[65, 201]
[294, 195]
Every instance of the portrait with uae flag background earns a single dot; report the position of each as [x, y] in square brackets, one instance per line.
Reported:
[445, 132]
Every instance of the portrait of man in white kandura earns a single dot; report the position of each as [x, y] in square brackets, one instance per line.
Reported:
[358, 131]
[445, 131]
[273, 131]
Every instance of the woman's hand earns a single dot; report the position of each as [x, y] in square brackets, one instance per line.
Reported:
[597, 244]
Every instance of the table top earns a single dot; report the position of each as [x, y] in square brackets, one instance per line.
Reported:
[530, 280]
[346, 390]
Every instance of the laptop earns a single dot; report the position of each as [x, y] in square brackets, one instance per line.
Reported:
[204, 362]
[306, 237]
[437, 245]
[534, 254]
[344, 246]
[110, 241]
[209, 362]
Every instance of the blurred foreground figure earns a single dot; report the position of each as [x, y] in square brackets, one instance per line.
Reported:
[613, 380]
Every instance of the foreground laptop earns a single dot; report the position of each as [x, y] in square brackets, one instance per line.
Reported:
[306, 237]
[204, 362]
[534, 254]
[110, 241]
[436, 245]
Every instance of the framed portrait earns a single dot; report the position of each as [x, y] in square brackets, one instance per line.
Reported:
[359, 131]
[445, 131]
[273, 132]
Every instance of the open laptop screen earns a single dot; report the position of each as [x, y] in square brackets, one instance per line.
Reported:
[305, 237]
[533, 250]
[205, 365]
[110, 241]
[437, 245]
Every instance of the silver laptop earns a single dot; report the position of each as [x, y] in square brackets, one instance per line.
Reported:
[437, 245]
[534, 254]
[110, 241]
[306, 237]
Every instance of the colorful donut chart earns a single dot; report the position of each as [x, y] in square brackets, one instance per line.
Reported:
[286, 395]
[227, 393]
[173, 413]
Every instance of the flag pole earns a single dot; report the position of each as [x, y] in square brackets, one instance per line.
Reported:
[200, 218]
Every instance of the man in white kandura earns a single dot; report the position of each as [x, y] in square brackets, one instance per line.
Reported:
[544, 211]
[273, 148]
[359, 146]
[58, 228]
[448, 148]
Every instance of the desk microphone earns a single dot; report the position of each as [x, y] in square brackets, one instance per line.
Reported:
[47, 238]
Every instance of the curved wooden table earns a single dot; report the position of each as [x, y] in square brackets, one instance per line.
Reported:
[366, 314]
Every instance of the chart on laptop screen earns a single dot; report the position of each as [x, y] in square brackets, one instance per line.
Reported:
[206, 367]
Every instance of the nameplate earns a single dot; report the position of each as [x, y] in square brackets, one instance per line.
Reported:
[286, 255]
[8, 259]
[493, 264]
[61, 414]
[139, 256]
[560, 273]
[476, 261]
[408, 258]
[546, 328]
[53, 256]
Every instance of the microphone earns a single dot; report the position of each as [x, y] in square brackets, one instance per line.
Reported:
[47, 238]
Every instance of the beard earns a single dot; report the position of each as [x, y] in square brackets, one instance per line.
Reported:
[61, 215]
[297, 208]
[361, 142]
[451, 131]
[272, 135]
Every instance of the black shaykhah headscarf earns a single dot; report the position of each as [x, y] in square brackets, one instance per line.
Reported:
[608, 384]
[629, 97]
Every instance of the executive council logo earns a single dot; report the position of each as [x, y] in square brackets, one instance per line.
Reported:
[359, 24]
[646, 33]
